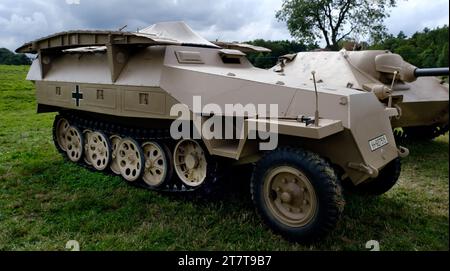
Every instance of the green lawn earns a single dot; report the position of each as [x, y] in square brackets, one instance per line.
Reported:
[45, 201]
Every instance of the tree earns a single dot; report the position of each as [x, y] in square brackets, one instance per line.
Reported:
[334, 20]
[425, 49]
[9, 58]
[443, 57]
[401, 35]
[279, 48]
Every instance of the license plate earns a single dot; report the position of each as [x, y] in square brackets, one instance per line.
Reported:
[378, 142]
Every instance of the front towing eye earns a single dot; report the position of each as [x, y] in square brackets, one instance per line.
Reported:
[402, 152]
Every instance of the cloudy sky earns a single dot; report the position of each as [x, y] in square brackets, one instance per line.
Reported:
[229, 20]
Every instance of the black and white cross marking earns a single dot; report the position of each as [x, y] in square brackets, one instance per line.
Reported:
[77, 95]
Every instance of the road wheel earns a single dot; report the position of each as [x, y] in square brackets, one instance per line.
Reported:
[60, 128]
[74, 144]
[196, 169]
[87, 134]
[158, 164]
[387, 178]
[114, 166]
[130, 159]
[190, 162]
[98, 150]
[297, 194]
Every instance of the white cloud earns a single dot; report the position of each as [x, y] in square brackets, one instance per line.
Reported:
[20, 24]
[414, 15]
[232, 20]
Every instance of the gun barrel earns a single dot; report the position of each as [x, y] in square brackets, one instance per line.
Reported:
[431, 72]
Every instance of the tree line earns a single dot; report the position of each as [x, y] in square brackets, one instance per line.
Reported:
[9, 58]
[338, 22]
[427, 48]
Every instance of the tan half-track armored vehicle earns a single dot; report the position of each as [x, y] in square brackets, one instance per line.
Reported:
[421, 97]
[114, 93]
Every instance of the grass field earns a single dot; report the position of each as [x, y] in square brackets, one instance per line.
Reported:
[45, 201]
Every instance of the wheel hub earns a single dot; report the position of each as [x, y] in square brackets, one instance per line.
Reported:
[290, 196]
[131, 157]
[191, 161]
[149, 164]
[286, 197]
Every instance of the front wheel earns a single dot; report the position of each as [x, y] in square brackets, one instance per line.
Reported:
[297, 194]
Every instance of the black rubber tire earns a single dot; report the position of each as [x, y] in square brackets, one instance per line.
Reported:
[421, 132]
[330, 200]
[387, 178]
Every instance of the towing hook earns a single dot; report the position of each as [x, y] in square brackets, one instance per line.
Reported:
[403, 152]
[367, 169]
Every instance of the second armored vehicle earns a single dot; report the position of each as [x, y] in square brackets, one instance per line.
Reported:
[422, 101]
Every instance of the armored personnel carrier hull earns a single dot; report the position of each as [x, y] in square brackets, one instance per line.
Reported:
[420, 96]
[116, 93]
